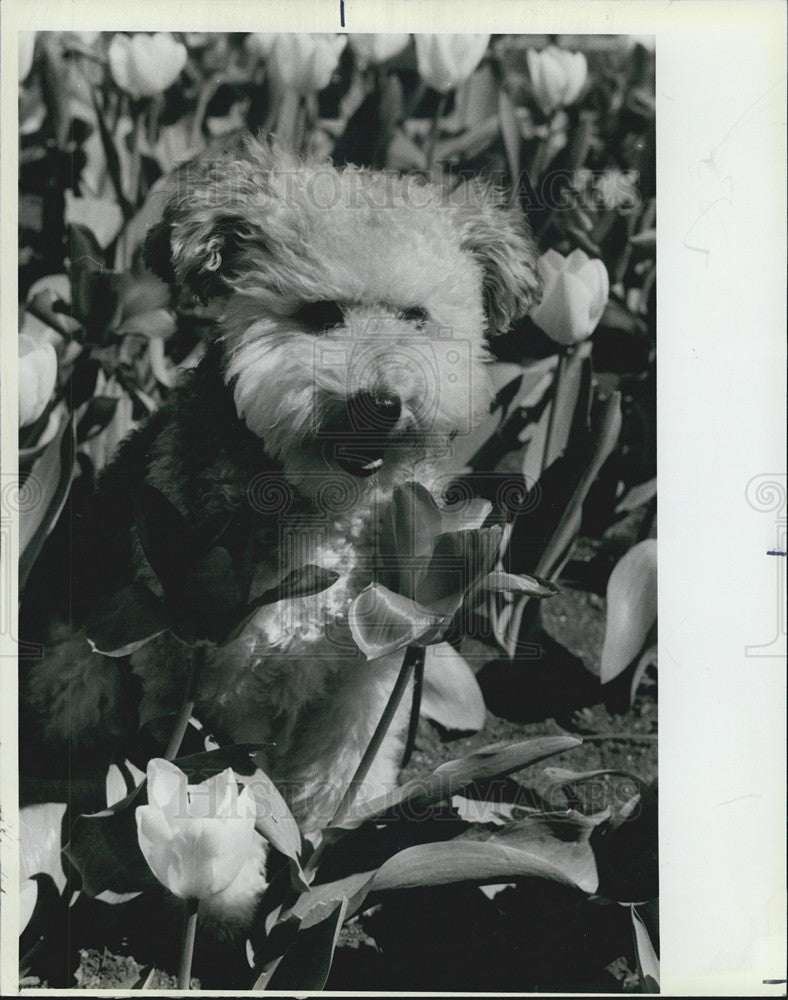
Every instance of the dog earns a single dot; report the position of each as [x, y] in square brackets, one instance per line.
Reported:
[352, 311]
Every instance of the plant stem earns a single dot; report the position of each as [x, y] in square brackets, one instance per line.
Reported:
[559, 376]
[187, 943]
[415, 711]
[432, 136]
[412, 656]
[187, 708]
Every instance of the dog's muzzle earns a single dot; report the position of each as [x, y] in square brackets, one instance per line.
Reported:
[357, 436]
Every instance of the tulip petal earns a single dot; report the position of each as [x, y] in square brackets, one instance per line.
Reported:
[166, 787]
[381, 621]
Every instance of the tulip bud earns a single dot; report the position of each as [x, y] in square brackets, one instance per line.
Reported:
[576, 289]
[144, 65]
[445, 61]
[305, 63]
[37, 377]
[195, 839]
[371, 49]
[557, 77]
[27, 44]
[260, 43]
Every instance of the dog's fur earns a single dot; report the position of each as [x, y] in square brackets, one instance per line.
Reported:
[259, 236]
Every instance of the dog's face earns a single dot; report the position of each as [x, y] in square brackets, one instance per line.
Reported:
[354, 306]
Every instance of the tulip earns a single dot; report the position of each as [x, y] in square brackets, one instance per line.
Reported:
[371, 49]
[144, 65]
[260, 43]
[37, 377]
[617, 189]
[446, 61]
[27, 44]
[195, 839]
[575, 295]
[432, 561]
[305, 63]
[557, 77]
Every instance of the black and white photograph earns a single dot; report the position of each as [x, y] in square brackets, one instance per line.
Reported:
[336, 530]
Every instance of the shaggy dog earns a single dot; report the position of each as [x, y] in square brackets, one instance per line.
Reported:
[352, 310]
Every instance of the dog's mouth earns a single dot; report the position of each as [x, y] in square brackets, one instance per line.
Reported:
[358, 435]
[359, 459]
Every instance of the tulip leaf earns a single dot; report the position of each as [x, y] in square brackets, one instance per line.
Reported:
[645, 950]
[166, 538]
[40, 841]
[301, 582]
[505, 855]
[631, 608]
[54, 470]
[122, 623]
[105, 851]
[273, 818]
[494, 761]
[307, 963]
[451, 695]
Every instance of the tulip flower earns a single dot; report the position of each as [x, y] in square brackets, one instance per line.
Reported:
[575, 295]
[37, 377]
[260, 43]
[27, 44]
[144, 65]
[305, 63]
[195, 839]
[557, 77]
[430, 563]
[371, 49]
[618, 189]
[446, 61]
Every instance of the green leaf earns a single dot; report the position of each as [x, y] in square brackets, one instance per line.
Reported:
[274, 819]
[631, 608]
[53, 471]
[122, 623]
[307, 963]
[451, 695]
[166, 538]
[492, 860]
[301, 582]
[645, 921]
[493, 761]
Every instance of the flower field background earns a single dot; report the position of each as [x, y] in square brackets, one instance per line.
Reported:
[565, 127]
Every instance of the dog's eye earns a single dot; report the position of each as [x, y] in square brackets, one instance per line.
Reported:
[320, 315]
[415, 314]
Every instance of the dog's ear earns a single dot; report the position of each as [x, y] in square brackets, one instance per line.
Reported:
[500, 240]
[207, 235]
[200, 248]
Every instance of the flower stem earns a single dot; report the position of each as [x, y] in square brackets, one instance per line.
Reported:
[187, 943]
[412, 656]
[559, 377]
[432, 137]
[187, 708]
[415, 711]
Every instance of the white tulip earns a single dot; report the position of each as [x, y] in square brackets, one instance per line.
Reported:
[194, 838]
[144, 65]
[27, 44]
[445, 61]
[37, 377]
[371, 49]
[557, 77]
[305, 63]
[576, 290]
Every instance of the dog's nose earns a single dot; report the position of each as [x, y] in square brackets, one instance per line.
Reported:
[370, 412]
